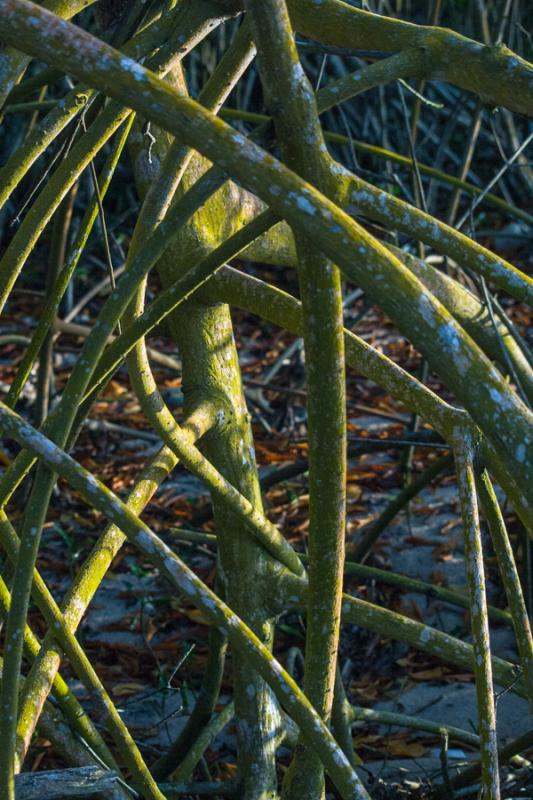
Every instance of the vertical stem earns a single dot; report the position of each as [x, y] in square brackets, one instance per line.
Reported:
[61, 640]
[55, 266]
[464, 462]
[45, 479]
[341, 719]
[291, 100]
[211, 374]
[247, 644]
[30, 537]
[73, 712]
[210, 369]
[510, 577]
[52, 726]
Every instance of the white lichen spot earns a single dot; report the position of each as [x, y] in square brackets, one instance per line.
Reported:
[305, 205]
[426, 309]
[297, 73]
[425, 634]
[135, 69]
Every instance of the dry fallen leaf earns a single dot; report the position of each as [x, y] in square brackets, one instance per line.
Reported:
[405, 748]
[435, 674]
[125, 689]
[353, 491]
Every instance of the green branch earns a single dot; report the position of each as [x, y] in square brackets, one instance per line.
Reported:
[509, 575]
[486, 711]
[497, 75]
[483, 391]
[390, 155]
[218, 613]
[13, 63]
[289, 95]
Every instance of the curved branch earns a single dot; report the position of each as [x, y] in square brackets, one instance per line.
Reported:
[284, 310]
[13, 63]
[64, 622]
[254, 118]
[479, 386]
[496, 74]
[290, 96]
[218, 613]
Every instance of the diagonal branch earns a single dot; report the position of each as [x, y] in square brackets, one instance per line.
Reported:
[496, 74]
[483, 392]
[290, 97]
[243, 639]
